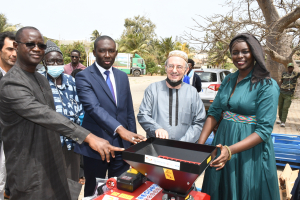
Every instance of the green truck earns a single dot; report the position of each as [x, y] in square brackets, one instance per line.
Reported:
[126, 62]
[130, 64]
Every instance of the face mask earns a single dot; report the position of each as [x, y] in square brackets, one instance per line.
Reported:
[55, 71]
[174, 84]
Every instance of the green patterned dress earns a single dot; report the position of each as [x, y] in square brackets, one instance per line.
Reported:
[251, 174]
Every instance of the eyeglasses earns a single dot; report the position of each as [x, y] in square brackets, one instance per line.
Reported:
[58, 61]
[31, 45]
[178, 67]
[74, 57]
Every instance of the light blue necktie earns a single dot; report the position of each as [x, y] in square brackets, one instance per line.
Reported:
[108, 82]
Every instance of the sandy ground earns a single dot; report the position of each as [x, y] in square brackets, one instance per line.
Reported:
[139, 84]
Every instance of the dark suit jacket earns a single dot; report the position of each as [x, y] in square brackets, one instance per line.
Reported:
[30, 132]
[102, 116]
[197, 82]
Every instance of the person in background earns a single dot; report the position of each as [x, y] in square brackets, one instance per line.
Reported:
[170, 108]
[66, 103]
[81, 170]
[191, 77]
[287, 90]
[8, 57]
[245, 166]
[74, 64]
[104, 92]
[73, 74]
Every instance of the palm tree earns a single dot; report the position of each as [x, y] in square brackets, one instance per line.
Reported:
[134, 43]
[166, 45]
[94, 35]
[4, 26]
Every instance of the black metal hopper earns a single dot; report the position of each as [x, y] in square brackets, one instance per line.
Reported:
[173, 165]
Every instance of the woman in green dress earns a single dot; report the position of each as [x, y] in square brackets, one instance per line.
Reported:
[245, 167]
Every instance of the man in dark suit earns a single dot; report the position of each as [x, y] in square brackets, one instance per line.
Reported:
[8, 57]
[194, 79]
[31, 127]
[106, 98]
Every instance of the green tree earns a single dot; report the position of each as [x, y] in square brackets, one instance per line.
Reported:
[185, 47]
[150, 61]
[219, 55]
[275, 23]
[5, 26]
[67, 49]
[138, 33]
[166, 45]
[94, 35]
[140, 25]
[134, 43]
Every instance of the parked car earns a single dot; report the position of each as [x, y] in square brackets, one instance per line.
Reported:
[211, 80]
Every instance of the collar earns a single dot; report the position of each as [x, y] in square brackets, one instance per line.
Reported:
[3, 72]
[191, 73]
[74, 67]
[102, 70]
[236, 74]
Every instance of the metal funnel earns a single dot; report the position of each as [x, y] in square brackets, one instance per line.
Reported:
[173, 165]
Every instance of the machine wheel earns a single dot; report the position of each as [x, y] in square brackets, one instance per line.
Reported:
[136, 73]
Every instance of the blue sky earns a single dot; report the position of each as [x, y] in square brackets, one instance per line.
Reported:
[76, 20]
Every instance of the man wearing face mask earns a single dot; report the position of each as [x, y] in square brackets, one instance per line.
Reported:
[172, 109]
[66, 103]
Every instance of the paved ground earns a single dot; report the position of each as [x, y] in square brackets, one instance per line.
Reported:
[139, 84]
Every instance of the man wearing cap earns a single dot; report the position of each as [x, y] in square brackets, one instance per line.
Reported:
[287, 89]
[65, 101]
[170, 108]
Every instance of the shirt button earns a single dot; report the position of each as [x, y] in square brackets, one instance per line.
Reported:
[76, 139]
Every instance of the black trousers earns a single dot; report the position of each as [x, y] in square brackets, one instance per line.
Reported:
[72, 161]
[94, 168]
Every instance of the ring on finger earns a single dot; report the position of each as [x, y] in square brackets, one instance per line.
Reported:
[132, 138]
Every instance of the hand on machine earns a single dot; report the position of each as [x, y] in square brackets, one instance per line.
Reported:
[130, 136]
[162, 170]
[161, 133]
[103, 146]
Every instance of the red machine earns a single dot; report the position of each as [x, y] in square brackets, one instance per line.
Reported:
[163, 170]
[147, 191]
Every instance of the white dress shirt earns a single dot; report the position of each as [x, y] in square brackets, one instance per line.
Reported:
[111, 76]
[112, 79]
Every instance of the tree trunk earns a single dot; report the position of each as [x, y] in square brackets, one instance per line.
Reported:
[278, 40]
[282, 47]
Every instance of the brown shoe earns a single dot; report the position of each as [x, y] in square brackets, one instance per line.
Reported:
[82, 181]
[6, 196]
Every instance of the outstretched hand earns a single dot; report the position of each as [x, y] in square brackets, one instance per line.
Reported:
[220, 162]
[102, 146]
[161, 133]
[130, 136]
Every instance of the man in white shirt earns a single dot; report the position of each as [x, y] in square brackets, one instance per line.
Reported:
[8, 57]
